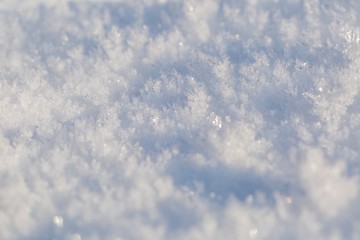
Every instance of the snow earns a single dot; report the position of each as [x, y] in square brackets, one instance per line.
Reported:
[170, 119]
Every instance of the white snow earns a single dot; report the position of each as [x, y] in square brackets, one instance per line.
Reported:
[172, 119]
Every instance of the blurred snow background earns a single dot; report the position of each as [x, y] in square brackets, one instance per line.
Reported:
[166, 119]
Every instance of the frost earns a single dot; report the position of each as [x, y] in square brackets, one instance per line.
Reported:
[168, 119]
[58, 221]
[216, 120]
[253, 232]
[75, 236]
[352, 36]
[327, 186]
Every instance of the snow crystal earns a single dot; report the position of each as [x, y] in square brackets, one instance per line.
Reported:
[58, 221]
[170, 119]
[253, 232]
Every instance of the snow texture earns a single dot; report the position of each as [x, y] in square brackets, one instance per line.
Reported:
[172, 119]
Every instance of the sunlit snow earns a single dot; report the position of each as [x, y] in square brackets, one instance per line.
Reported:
[180, 119]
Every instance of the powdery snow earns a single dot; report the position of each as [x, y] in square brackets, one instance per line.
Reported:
[166, 119]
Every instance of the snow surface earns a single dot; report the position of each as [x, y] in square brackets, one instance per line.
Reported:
[166, 119]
